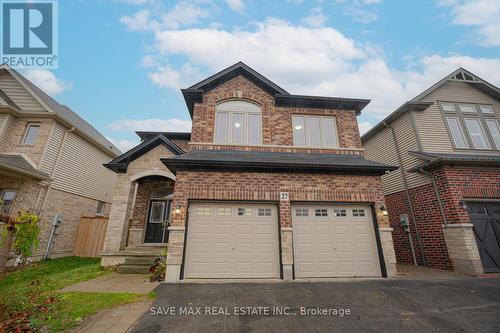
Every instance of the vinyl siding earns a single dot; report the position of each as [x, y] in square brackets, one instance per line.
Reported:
[8, 123]
[19, 94]
[381, 148]
[52, 149]
[430, 123]
[80, 170]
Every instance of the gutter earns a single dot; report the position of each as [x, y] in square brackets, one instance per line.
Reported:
[405, 184]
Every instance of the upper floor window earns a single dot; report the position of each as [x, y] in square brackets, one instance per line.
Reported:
[238, 122]
[315, 131]
[100, 207]
[31, 133]
[472, 126]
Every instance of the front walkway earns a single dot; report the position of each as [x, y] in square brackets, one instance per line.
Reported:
[115, 283]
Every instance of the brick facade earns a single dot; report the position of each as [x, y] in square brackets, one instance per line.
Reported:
[145, 187]
[455, 185]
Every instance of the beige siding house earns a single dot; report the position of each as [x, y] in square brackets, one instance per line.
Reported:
[446, 142]
[51, 162]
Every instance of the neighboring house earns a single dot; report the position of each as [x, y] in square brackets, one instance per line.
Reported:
[50, 162]
[447, 144]
[267, 185]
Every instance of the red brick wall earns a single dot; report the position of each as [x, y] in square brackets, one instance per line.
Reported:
[429, 223]
[267, 187]
[454, 185]
[276, 121]
[146, 185]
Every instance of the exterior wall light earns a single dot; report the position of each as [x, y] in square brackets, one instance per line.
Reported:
[384, 210]
[177, 208]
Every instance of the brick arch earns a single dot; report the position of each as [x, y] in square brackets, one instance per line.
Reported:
[239, 95]
[147, 173]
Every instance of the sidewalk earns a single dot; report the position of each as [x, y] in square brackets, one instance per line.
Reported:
[115, 283]
[120, 319]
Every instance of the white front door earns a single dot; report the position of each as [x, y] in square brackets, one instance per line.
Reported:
[231, 241]
[334, 241]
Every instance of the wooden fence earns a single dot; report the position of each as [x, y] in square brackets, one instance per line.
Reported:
[90, 236]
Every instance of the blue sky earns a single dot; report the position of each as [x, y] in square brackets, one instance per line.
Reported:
[122, 62]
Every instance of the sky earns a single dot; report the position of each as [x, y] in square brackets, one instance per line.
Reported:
[122, 63]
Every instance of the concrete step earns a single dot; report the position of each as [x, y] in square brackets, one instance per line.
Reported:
[144, 261]
[133, 269]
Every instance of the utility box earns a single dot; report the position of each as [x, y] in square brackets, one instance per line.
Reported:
[405, 222]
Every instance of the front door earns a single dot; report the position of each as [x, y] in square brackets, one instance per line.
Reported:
[158, 220]
[486, 220]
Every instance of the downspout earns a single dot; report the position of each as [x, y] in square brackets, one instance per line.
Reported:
[52, 174]
[405, 184]
[436, 192]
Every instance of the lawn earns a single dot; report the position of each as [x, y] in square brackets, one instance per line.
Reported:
[29, 297]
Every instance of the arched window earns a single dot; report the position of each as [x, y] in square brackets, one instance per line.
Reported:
[238, 122]
[161, 193]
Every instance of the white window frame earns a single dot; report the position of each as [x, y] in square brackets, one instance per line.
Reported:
[230, 109]
[26, 132]
[321, 131]
[462, 133]
[100, 208]
[482, 132]
[483, 118]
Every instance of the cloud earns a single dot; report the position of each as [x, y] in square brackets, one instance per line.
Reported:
[124, 145]
[47, 81]
[134, 2]
[183, 14]
[236, 5]
[484, 15]
[168, 77]
[315, 19]
[137, 22]
[165, 125]
[361, 11]
[364, 126]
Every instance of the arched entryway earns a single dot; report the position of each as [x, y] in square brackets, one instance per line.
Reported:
[151, 211]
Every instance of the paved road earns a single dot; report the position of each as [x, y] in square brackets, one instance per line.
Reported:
[453, 305]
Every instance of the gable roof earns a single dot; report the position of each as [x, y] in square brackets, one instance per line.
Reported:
[194, 94]
[64, 113]
[257, 161]
[415, 104]
[120, 164]
[146, 135]
[5, 98]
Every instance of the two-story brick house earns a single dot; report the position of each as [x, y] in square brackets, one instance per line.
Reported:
[447, 143]
[50, 162]
[267, 185]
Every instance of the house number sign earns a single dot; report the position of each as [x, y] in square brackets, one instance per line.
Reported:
[284, 196]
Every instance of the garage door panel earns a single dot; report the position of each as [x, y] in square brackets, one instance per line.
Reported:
[334, 246]
[231, 245]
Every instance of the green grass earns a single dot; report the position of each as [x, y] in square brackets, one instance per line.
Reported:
[33, 292]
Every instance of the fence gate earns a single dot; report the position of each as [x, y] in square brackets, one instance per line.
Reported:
[90, 236]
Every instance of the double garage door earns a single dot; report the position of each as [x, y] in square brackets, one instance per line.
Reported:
[241, 241]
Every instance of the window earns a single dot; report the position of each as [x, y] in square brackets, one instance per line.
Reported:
[203, 211]
[321, 212]
[495, 131]
[472, 126]
[224, 211]
[312, 131]
[238, 122]
[31, 134]
[100, 207]
[476, 133]
[486, 109]
[340, 212]
[264, 212]
[301, 212]
[466, 108]
[358, 212]
[456, 132]
[6, 200]
[244, 211]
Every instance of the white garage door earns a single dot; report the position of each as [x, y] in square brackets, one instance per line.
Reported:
[227, 240]
[334, 241]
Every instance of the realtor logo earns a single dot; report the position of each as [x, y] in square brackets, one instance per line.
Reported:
[29, 33]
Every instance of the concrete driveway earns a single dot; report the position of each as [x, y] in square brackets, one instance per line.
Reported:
[449, 305]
